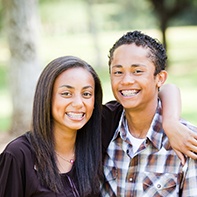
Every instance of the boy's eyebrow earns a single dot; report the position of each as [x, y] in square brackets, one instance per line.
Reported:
[137, 65]
[118, 66]
[132, 65]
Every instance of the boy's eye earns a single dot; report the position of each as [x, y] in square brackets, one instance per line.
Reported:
[138, 71]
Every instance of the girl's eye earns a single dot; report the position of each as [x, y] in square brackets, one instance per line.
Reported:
[117, 72]
[87, 94]
[66, 94]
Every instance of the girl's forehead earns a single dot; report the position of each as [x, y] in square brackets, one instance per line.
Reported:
[75, 77]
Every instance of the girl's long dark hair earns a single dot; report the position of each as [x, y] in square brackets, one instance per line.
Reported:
[88, 141]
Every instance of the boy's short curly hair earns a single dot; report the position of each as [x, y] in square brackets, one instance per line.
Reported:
[157, 50]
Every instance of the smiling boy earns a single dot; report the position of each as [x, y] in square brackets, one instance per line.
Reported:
[139, 160]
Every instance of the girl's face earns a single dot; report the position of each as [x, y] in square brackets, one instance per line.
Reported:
[73, 99]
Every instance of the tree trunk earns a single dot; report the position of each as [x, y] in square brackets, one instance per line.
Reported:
[163, 31]
[22, 31]
[164, 41]
[92, 24]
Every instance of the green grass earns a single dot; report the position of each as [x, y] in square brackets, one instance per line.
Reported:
[182, 57]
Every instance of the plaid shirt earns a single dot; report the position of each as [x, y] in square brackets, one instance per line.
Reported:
[153, 171]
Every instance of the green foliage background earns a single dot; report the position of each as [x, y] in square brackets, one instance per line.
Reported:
[65, 30]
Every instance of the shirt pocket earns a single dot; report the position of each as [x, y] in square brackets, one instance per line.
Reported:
[160, 184]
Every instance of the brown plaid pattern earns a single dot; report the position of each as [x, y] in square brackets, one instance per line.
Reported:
[153, 171]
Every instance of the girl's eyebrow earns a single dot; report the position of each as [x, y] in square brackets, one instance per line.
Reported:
[86, 87]
[70, 87]
[66, 86]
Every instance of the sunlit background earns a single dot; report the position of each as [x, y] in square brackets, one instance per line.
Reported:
[88, 29]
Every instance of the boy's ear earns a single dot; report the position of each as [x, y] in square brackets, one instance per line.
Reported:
[161, 78]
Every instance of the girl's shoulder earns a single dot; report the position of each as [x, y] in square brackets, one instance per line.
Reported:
[112, 106]
[18, 147]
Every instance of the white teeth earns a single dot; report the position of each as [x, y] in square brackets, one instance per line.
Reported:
[129, 92]
[75, 115]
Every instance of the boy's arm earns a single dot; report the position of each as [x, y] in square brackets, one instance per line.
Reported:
[182, 139]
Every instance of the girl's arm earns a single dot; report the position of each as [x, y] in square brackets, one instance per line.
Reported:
[182, 139]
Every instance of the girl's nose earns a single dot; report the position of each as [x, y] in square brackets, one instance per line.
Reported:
[77, 101]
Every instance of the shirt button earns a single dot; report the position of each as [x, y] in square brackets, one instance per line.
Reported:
[130, 179]
[158, 186]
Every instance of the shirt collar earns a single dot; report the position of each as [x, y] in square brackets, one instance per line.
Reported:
[121, 130]
[155, 133]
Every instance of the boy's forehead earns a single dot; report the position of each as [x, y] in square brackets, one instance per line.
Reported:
[131, 51]
[132, 56]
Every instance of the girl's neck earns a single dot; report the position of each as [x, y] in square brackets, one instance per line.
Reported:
[65, 152]
[65, 141]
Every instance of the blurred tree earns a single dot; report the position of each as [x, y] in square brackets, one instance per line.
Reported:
[166, 10]
[93, 30]
[21, 23]
[1, 15]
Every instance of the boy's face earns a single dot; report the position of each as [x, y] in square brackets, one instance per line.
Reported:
[132, 77]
